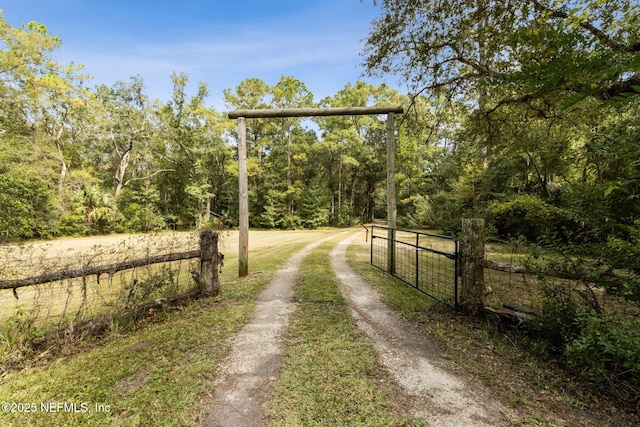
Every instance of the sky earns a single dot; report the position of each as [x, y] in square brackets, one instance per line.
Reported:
[220, 43]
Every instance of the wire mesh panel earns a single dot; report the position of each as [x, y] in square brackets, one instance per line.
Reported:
[427, 262]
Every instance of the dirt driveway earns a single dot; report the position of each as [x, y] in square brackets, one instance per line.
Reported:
[429, 389]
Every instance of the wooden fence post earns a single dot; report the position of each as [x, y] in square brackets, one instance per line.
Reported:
[243, 199]
[471, 268]
[391, 194]
[209, 260]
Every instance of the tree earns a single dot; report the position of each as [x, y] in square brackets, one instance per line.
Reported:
[353, 148]
[191, 142]
[42, 114]
[290, 93]
[536, 47]
[124, 131]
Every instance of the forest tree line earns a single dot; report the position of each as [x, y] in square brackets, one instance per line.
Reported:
[524, 113]
[76, 159]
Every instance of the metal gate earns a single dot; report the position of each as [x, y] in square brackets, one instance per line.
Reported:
[428, 262]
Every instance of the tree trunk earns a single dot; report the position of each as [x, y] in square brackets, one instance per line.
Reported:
[352, 198]
[120, 171]
[207, 213]
[289, 198]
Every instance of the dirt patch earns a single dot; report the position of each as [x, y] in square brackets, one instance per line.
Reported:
[430, 388]
[132, 383]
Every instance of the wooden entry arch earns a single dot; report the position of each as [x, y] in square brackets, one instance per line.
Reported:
[243, 194]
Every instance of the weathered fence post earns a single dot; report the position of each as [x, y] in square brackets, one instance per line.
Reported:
[209, 260]
[471, 269]
[243, 199]
[391, 194]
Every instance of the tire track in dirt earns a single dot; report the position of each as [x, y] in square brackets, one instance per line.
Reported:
[245, 378]
[429, 390]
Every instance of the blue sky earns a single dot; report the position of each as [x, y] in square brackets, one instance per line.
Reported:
[217, 42]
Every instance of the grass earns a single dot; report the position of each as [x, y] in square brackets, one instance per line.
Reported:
[330, 374]
[155, 373]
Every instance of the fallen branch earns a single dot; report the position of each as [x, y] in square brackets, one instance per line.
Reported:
[587, 276]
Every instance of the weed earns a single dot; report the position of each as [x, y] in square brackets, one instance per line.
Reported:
[17, 332]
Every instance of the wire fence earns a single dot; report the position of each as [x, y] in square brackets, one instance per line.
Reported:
[34, 312]
[521, 277]
[517, 276]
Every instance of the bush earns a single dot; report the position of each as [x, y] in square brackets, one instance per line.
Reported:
[528, 216]
[73, 224]
[162, 283]
[419, 212]
[289, 222]
[559, 316]
[26, 207]
[603, 348]
[446, 212]
[606, 349]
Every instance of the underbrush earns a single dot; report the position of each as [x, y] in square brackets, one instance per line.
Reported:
[602, 347]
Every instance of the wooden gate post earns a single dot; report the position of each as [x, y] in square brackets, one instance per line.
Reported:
[242, 115]
[209, 260]
[243, 198]
[391, 193]
[471, 269]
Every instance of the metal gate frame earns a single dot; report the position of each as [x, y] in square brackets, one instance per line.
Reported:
[392, 262]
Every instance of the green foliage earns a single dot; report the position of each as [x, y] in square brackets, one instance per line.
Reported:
[73, 223]
[160, 283]
[559, 317]
[530, 48]
[17, 332]
[315, 201]
[528, 216]
[421, 213]
[606, 349]
[26, 207]
[140, 210]
[289, 222]
[447, 212]
[602, 347]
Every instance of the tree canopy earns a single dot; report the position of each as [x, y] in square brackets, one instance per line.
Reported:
[530, 48]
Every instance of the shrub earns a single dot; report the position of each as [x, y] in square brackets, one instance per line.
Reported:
[160, 283]
[289, 222]
[446, 212]
[606, 349]
[528, 216]
[559, 316]
[73, 223]
[18, 332]
[419, 212]
[26, 207]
